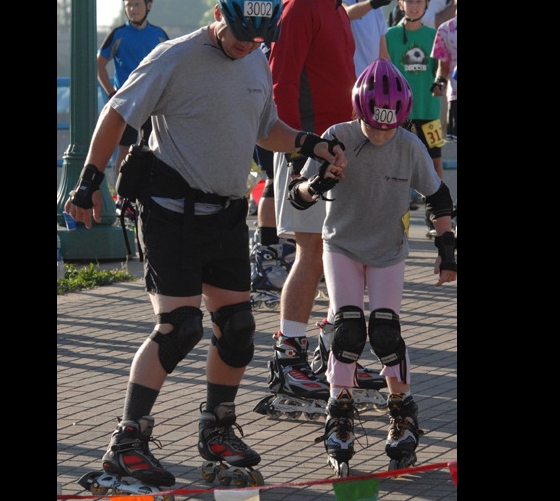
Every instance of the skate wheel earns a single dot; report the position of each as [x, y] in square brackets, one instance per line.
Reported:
[164, 497]
[343, 470]
[312, 416]
[207, 472]
[223, 479]
[293, 415]
[240, 478]
[381, 409]
[256, 478]
[89, 482]
[362, 407]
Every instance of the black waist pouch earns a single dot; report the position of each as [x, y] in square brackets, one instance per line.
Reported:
[135, 173]
[143, 175]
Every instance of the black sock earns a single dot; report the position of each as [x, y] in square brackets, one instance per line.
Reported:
[138, 402]
[217, 394]
[268, 235]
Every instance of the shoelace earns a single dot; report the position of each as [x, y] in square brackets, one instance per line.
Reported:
[148, 453]
[227, 434]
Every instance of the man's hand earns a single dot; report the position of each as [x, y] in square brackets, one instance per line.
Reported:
[85, 196]
[375, 4]
[318, 148]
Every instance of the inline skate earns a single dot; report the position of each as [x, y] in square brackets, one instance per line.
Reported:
[296, 390]
[367, 394]
[270, 265]
[404, 433]
[228, 458]
[338, 437]
[129, 466]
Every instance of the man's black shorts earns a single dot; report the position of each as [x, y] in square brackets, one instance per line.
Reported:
[211, 249]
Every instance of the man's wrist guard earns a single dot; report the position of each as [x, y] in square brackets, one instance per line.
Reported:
[440, 82]
[446, 249]
[375, 4]
[90, 180]
[312, 140]
[295, 197]
[318, 185]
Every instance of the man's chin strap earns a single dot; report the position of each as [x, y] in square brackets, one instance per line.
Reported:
[219, 42]
[221, 47]
[138, 24]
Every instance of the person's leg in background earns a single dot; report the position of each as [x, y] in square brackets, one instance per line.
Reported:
[271, 257]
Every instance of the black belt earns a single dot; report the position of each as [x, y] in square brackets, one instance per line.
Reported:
[209, 198]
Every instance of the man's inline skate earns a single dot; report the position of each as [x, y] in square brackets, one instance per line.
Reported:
[296, 390]
[338, 437]
[270, 265]
[367, 394]
[129, 466]
[228, 458]
[404, 434]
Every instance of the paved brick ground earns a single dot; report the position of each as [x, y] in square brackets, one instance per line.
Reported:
[98, 332]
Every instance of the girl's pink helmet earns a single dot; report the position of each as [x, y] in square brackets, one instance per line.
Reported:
[381, 96]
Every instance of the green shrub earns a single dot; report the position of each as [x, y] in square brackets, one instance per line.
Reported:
[88, 278]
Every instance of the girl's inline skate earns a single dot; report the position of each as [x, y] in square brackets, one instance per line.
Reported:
[338, 437]
[404, 433]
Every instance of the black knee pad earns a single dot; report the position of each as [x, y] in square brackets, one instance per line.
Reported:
[187, 332]
[349, 334]
[237, 324]
[385, 336]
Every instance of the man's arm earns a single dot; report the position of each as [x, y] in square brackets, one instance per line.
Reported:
[360, 9]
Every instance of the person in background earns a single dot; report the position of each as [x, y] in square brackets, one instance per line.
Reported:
[313, 73]
[190, 185]
[438, 11]
[410, 45]
[369, 27]
[445, 51]
[365, 235]
[271, 257]
[126, 46]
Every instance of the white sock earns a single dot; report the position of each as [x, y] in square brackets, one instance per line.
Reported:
[290, 328]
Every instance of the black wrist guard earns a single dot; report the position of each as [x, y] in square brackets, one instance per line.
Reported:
[446, 249]
[375, 4]
[311, 140]
[295, 197]
[440, 82]
[318, 185]
[90, 180]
